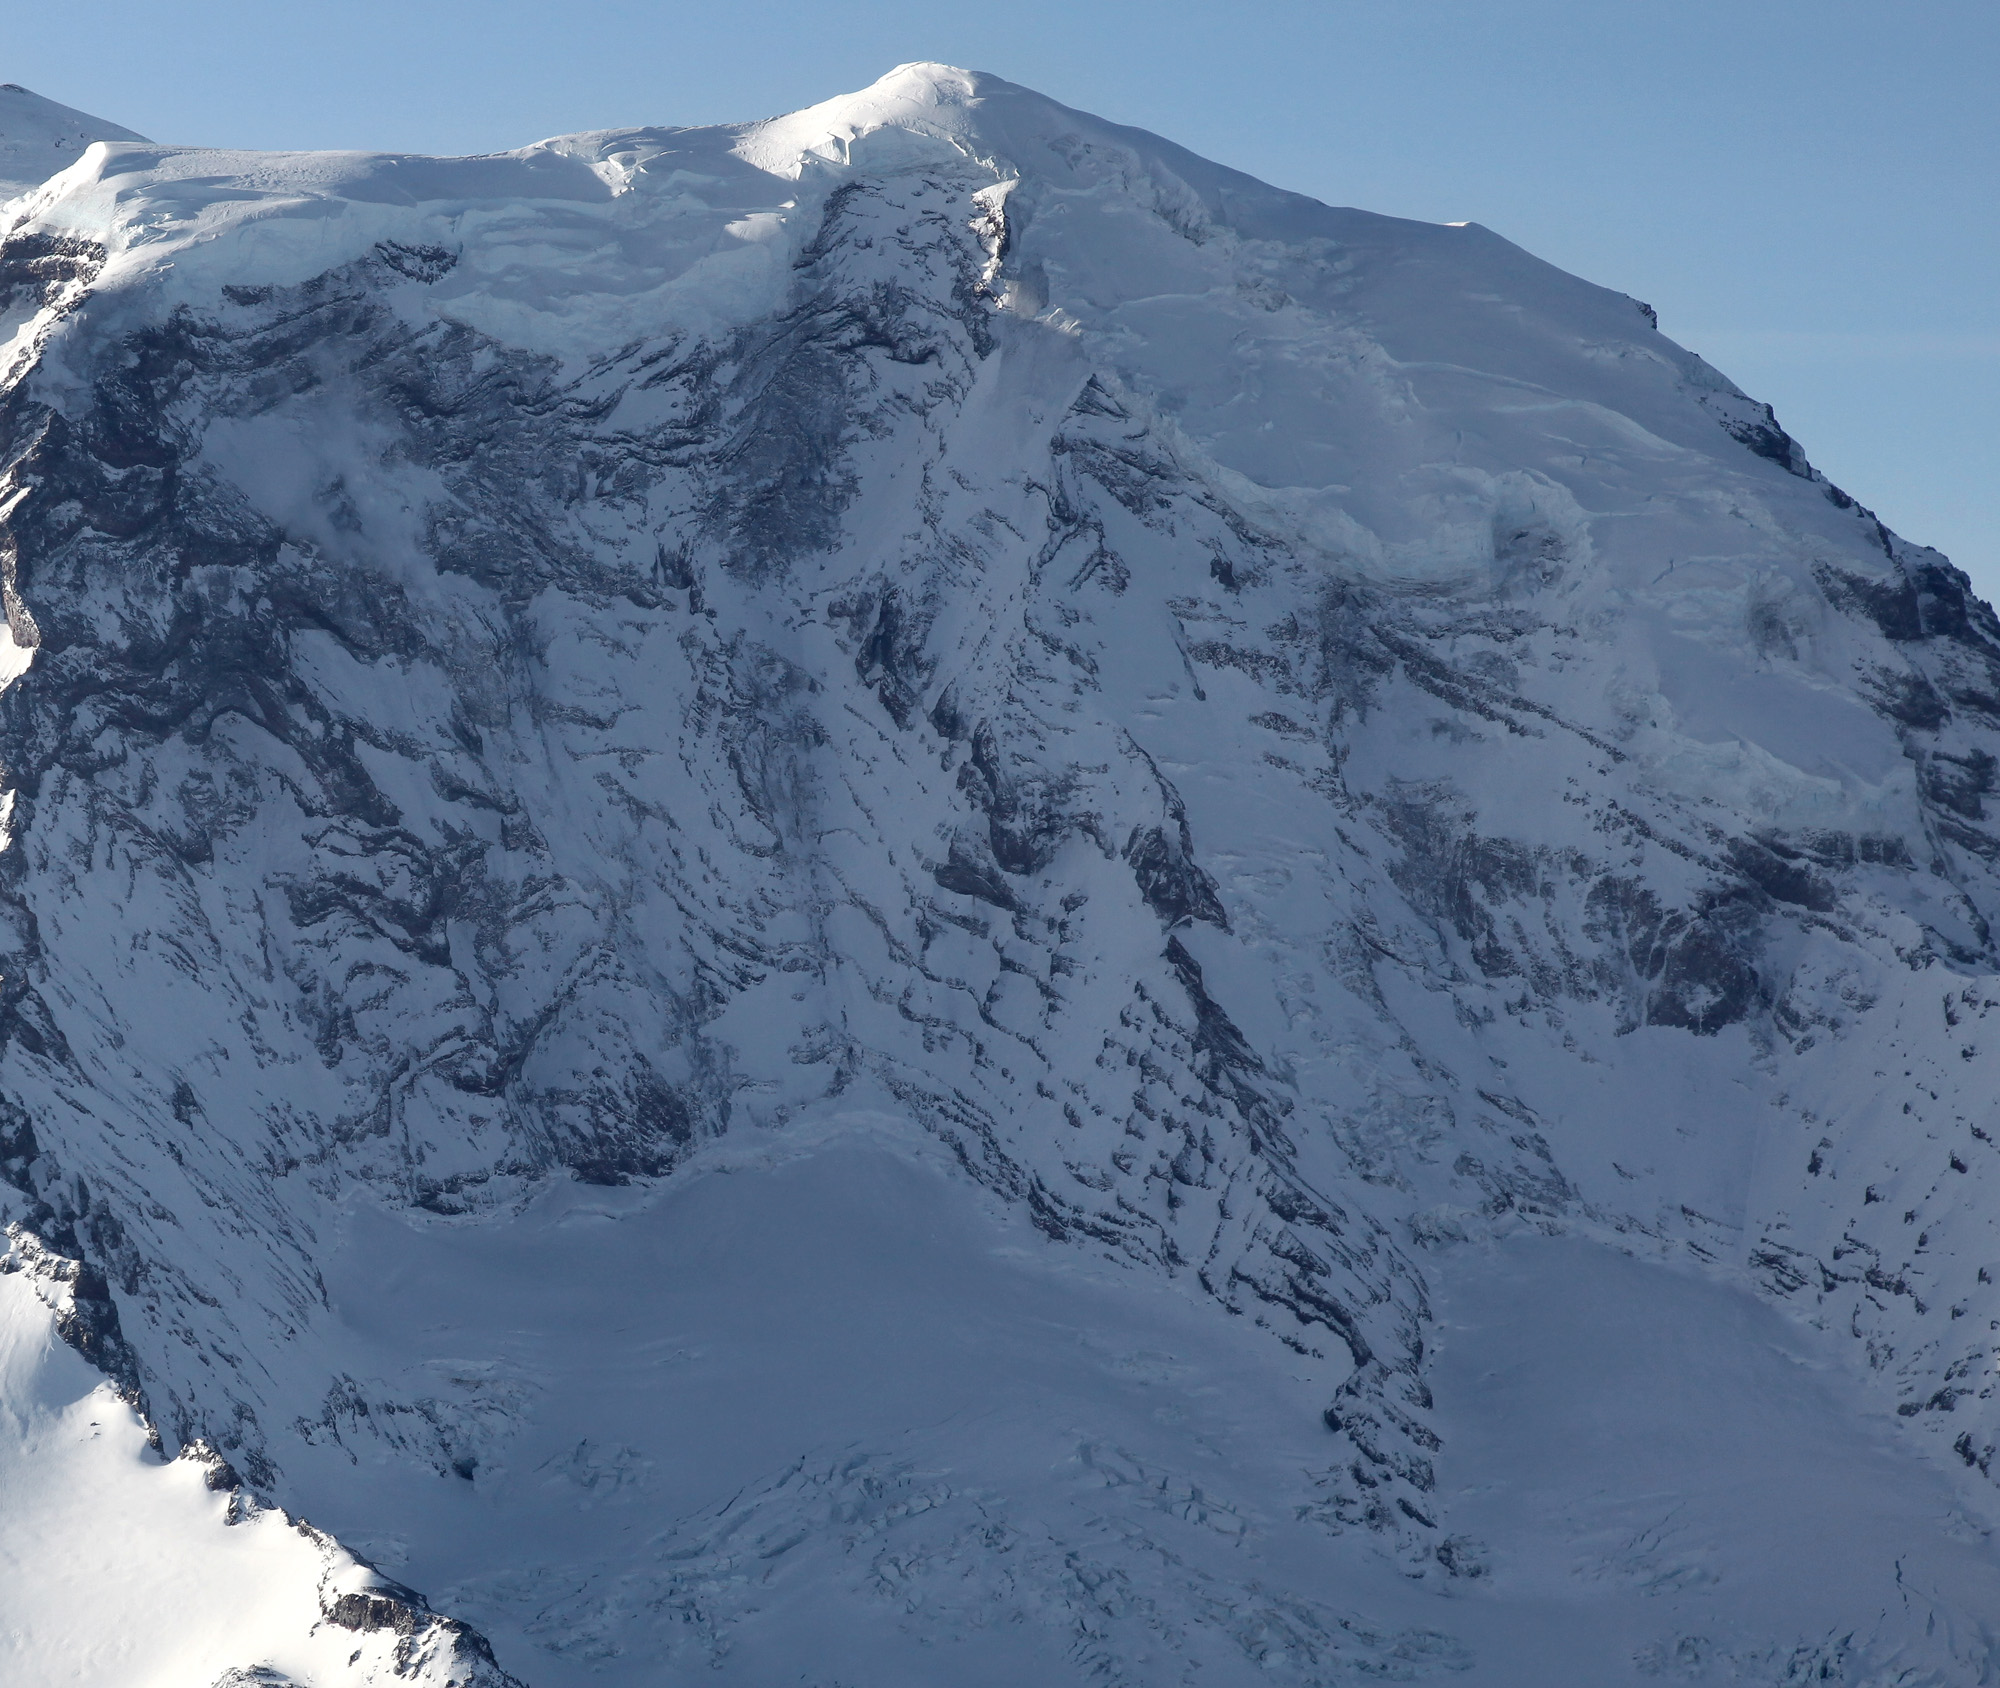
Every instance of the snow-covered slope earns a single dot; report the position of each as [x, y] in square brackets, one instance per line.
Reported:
[39, 138]
[922, 891]
[120, 1567]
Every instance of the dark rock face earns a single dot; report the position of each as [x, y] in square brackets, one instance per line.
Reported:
[422, 1638]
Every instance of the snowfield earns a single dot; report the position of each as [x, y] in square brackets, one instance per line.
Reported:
[920, 896]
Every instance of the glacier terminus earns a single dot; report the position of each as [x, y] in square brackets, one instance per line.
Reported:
[917, 897]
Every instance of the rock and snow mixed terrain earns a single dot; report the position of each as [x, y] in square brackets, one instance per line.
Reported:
[921, 896]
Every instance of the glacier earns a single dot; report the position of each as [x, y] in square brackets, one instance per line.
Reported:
[919, 895]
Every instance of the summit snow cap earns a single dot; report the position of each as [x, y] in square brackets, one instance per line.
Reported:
[926, 108]
[38, 138]
[932, 101]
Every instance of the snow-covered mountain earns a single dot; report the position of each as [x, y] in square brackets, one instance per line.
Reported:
[920, 895]
[39, 138]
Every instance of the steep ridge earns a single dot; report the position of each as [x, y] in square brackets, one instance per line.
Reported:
[1265, 755]
[123, 1567]
[39, 138]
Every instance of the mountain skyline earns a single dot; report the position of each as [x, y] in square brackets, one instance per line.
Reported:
[1792, 201]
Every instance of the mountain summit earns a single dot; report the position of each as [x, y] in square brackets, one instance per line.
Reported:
[918, 894]
[38, 138]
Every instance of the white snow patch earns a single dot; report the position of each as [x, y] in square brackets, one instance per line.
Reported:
[119, 1569]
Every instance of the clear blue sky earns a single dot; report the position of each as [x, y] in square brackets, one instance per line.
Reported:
[1807, 190]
